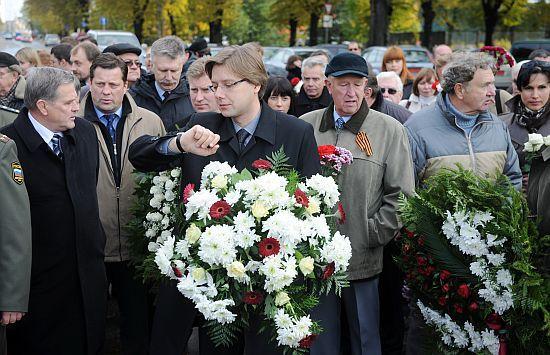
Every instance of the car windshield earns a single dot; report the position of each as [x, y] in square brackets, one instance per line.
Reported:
[108, 39]
[269, 52]
[416, 56]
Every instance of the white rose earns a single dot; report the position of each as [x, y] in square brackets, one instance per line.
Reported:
[169, 185]
[259, 210]
[281, 299]
[166, 209]
[169, 196]
[528, 147]
[150, 233]
[235, 270]
[175, 173]
[536, 139]
[219, 182]
[192, 234]
[306, 265]
[199, 274]
[313, 207]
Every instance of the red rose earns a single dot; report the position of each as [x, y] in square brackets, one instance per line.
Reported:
[421, 260]
[430, 270]
[253, 297]
[187, 192]
[220, 209]
[444, 275]
[473, 307]
[294, 81]
[463, 291]
[269, 246]
[177, 271]
[307, 341]
[442, 301]
[262, 164]
[494, 321]
[409, 233]
[421, 241]
[301, 197]
[342, 214]
[329, 270]
[458, 308]
[326, 150]
[446, 288]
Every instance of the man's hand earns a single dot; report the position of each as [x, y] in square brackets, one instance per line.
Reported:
[11, 317]
[197, 140]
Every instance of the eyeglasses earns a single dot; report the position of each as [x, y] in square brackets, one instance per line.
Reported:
[129, 63]
[390, 91]
[226, 86]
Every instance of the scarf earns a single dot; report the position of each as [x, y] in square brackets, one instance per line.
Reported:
[9, 98]
[529, 119]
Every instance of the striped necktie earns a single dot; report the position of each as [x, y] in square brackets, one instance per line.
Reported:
[110, 118]
[242, 135]
[339, 124]
[56, 145]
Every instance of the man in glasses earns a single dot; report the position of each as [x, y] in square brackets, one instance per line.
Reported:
[245, 130]
[165, 91]
[390, 86]
[130, 55]
[376, 101]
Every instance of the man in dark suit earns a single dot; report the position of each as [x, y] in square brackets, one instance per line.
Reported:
[247, 131]
[59, 154]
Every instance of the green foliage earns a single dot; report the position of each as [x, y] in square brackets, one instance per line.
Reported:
[225, 335]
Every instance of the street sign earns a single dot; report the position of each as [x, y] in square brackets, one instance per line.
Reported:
[327, 21]
[328, 7]
[103, 21]
[84, 24]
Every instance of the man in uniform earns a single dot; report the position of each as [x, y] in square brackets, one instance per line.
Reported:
[15, 240]
[12, 88]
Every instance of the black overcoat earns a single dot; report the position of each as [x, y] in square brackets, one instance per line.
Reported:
[68, 285]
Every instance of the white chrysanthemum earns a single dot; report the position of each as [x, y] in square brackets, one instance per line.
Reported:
[182, 248]
[504, 277]
[493, 240]
[337, 250]
[495, 259]
[217, 310]
[325, 187]
[200, 203]
[150, 233]
[284, 226]
[216, 245]
[152, 247]
[269, 189]
[232, 197]
[244, 222]
[490, 341]
[279, 273]
[166, 209]
[163, 257]
[478, 268]
[213, 169]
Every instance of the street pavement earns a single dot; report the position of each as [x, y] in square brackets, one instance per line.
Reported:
[12, 46]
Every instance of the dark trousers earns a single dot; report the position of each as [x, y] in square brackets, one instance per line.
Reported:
[392, 327]
[131, 296]
[3, 342]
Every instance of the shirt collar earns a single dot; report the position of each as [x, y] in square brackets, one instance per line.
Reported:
[160, 91]
[44, 132]
[336, 115]
[251, 127]
[100, 113]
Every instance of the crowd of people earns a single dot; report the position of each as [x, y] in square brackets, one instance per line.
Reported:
[77, 122]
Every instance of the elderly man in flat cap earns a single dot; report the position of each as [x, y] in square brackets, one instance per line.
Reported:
[130, 55]
[382, 170]
[12, 88]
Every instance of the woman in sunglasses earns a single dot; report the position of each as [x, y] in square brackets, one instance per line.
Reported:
[422, 92]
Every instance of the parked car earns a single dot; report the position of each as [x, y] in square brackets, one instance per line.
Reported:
[333, 49]
[26, 38]
[8, 35]
[521, 49]
[51, 39]
[417, 57]
[105, 38]
[276, 65]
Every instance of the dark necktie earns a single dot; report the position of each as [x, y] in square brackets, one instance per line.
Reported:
[110, 118]
[165, 95]
[56, 145]
[242, 135]
[339, 124]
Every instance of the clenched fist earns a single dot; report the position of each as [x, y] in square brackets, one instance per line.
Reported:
[197, 140]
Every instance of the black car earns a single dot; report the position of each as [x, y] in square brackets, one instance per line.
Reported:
[521, 49]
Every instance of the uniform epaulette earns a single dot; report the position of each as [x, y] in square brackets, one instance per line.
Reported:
[9, 109]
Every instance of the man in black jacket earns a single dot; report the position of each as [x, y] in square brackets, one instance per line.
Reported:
[59, 154]
[165, 91]
[376, 101]
[247, 131]
[313, 95]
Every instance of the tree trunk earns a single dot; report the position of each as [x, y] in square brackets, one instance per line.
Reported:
[293, 23]
[313, 23]
[429, 15]
[139, 18]
[216, 27]
[173, 29]
[490, 18]
[379, 22]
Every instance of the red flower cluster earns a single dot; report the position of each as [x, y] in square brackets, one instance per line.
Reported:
[307, 342]
[500, 54]
[294, 81]
[187, 192]
[269, 246]
[329, 270]
[342, 214]
[324, 150]
[301, 198]
[262, 164]
[253, 297]
[220, 209]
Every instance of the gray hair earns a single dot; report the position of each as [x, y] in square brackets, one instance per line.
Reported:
[462, 68]
[312, 62]
[43, 82]
[169, 46]
[391, 75]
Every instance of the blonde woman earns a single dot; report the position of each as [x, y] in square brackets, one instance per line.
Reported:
[28, 58]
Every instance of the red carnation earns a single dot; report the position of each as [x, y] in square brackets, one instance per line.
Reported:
[409, 233]
[253, 297]
[301, 197]
[342, 214]
[187, 192]
[444, 275]
[434, 85]
[473, 307]
[458, 308]
[442, 301]
[307, 341]
[326, 150]
[494, 321]
[421, 260]
[177, 271]
[329, 270]
[269, 246]
[294, 81]
[220, 209]
[463, 291]
[262, 164]
[446, 288]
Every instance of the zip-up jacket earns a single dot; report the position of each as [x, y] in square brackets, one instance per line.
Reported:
[116, 183]
[438, 142]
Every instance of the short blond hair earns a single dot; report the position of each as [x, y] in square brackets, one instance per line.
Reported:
[243, 61]
[30, 55]
[196, 69]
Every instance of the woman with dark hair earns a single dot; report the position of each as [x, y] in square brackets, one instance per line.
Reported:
[279, 94]
[394, 60]
[294, 67]
[422, 91]
[531, 114]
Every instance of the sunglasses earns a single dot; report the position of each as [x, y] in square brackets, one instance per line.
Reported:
[129, 63]
[390, 91]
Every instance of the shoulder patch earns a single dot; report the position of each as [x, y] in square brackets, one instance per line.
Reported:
[17, 173]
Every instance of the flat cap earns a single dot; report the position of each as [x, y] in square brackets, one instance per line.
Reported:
[121, 48]
[7, 60]
[347, 64]
[198, 45]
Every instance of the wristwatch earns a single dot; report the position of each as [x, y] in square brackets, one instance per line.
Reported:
[178, 144]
